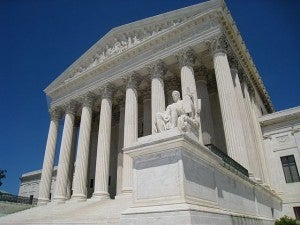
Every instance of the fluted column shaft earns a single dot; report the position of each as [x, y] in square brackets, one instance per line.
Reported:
[120, 151]
[186, 61]
[205, 113]
[130, 131]
[103, 148]
[64, 156]
[158, 103]
[235, 142]
[254, 162]
[82, 158]
[259, 138]
[72, 160]
[46, 177]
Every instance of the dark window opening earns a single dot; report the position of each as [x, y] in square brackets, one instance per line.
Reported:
[109, 179]
[290, 169]
[297, 212]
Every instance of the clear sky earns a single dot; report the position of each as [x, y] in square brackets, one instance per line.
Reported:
[40, 39]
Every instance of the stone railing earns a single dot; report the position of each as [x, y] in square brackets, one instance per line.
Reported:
[4, 197]
[227, 160]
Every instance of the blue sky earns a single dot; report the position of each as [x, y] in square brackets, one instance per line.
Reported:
[40, 39]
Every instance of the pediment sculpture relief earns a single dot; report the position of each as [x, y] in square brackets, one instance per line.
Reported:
[123, 42]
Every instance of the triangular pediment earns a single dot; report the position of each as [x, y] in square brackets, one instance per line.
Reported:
[126, 37]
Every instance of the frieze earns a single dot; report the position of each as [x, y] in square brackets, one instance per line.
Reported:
[123, 42]
[160, 48]
[172, 38]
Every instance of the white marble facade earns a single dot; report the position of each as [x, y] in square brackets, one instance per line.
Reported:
[281, 139]
[113, 143]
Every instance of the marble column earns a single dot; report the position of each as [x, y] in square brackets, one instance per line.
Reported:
[103, 147]
[235, 140]
[186, 59]
[72, 158]
[270, 158]
[157, 71]
[46, 177]
[259, 138]
[254, 168]
[82, 158]
[205, 113]
[121, 103]
[65, 153]
[130, 130]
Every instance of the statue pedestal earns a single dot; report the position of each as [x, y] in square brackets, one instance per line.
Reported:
[176, 180]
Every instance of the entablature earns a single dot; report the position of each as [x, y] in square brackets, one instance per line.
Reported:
[133, 46]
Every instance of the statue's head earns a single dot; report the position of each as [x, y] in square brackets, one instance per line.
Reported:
[175, 96]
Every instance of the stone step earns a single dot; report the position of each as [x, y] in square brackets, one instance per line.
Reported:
[102, 212]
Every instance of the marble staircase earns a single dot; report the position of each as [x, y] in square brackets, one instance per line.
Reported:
[104, 212]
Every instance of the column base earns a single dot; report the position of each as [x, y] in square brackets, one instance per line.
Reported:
[99, 196]
[59, 200]
[123, 195]
[43, 201]
[126, 190]
[78, 198]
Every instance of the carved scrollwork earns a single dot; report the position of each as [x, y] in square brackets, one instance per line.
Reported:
[186, 57]
[71, 107]
[107, 91]
[218, 44]
[121, 43]
[56, 113]
[157, 69]
[89, 99]
[131, 80]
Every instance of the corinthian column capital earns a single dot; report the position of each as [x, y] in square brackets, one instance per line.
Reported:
[218, 44]
[131, 80]
[107, 91]
[186, 57]
[71, 107]
[157, 69]
[55, 113]
[89, 99]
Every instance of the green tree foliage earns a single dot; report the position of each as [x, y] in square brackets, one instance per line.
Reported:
[286, 221]
[2, 175]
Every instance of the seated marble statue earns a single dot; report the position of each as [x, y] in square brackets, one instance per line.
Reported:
[181, 114]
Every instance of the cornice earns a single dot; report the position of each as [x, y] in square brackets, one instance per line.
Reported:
[241, 52]
[133, 34]
[212, 15]
[162, 48]
[280, 116]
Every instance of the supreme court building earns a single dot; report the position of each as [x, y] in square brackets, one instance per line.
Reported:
[162, 125]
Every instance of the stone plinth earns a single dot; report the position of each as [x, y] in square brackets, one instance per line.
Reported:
[176, 180]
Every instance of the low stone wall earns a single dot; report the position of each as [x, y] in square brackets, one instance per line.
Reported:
[10, 207]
